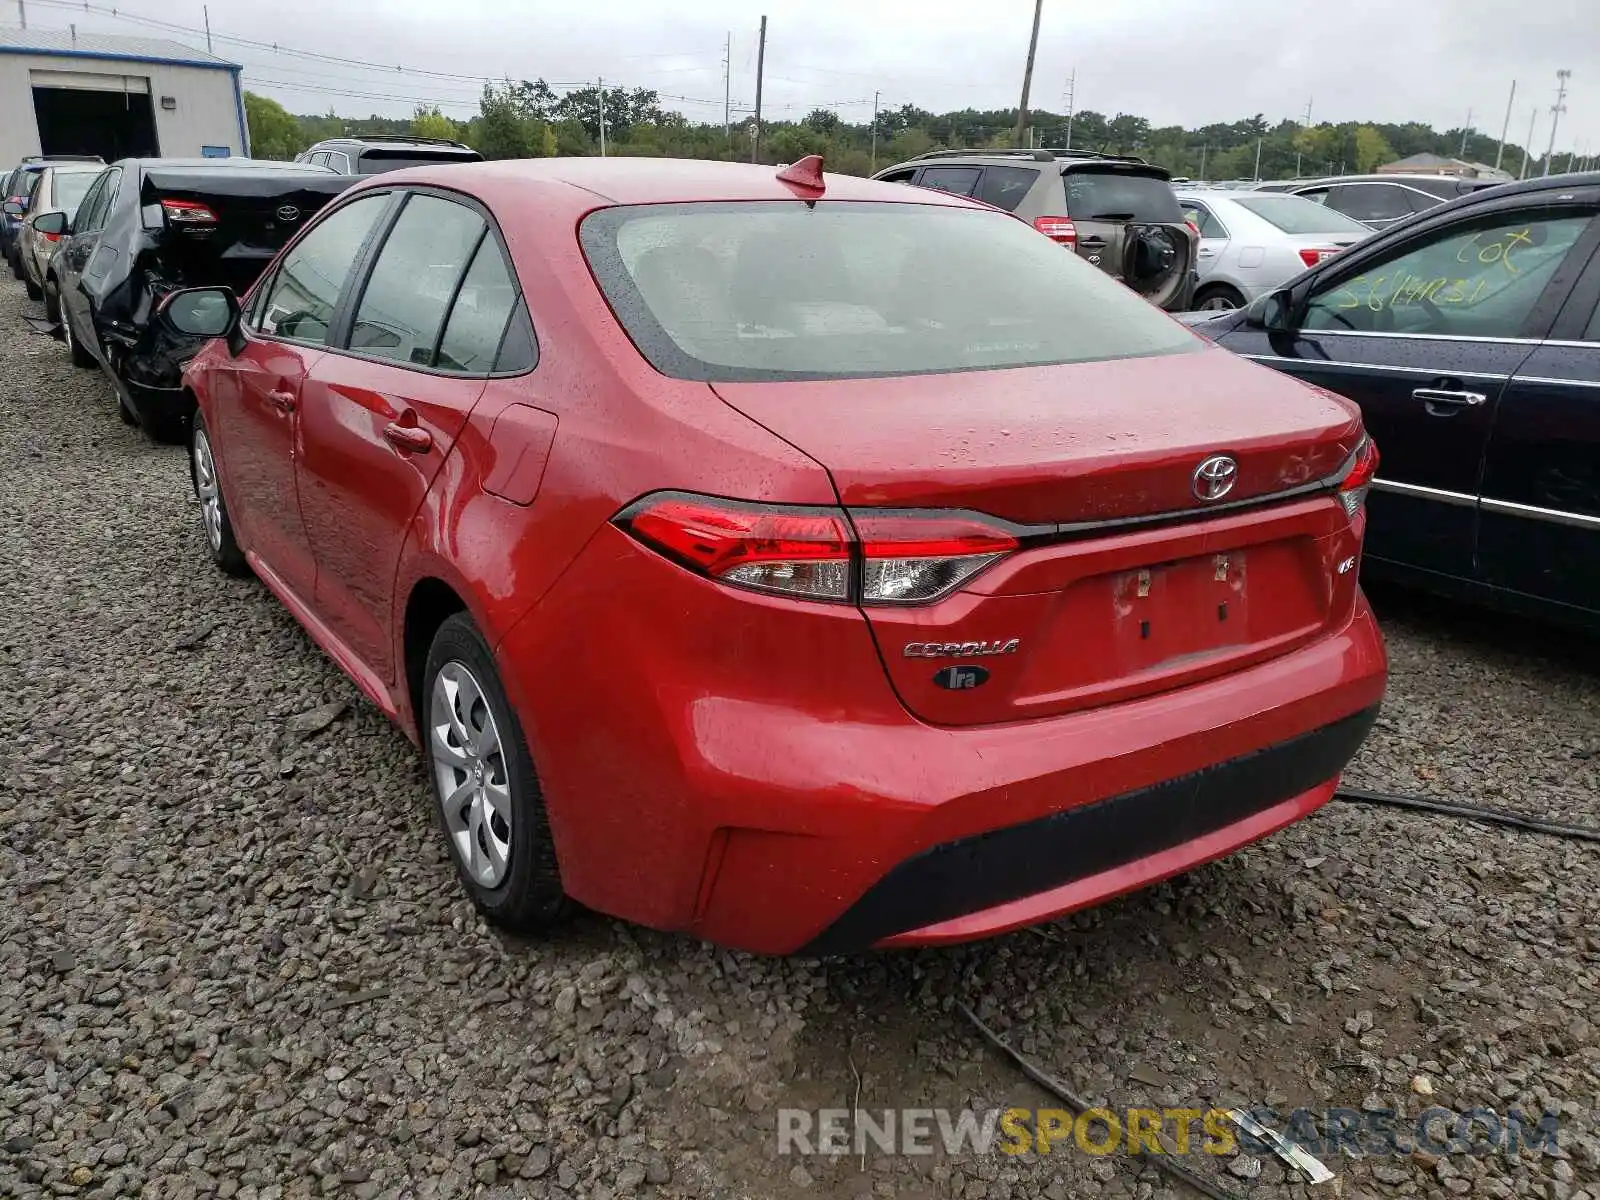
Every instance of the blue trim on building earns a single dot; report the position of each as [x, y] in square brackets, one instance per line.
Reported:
[135, 58]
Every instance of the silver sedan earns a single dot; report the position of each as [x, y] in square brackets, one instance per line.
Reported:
[1252, 243]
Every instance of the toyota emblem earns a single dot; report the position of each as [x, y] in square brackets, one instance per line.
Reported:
[1214, 478]
[287, 213]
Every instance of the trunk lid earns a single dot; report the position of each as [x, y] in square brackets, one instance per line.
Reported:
[1131, 226]
[255, 212]
[1083, 614]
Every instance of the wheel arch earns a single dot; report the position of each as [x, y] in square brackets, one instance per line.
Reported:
[429, 604]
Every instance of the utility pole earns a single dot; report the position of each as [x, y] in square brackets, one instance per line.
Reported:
[1071, 98]
[1259, 140]
[761, 70]
[875, 97]
[1506, 128]
[1204, 146]
[1527, 147]
[727, 89]
[204, 8]
[1556, 110]
[22, 12]
[1305, 123]
[602, 92]
[1465, 132]
[1027, 72]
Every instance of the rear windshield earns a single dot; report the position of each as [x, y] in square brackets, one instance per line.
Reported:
[376, 162]
[1120, 196]
[69, 187]
[1296, 214]
[771, 291]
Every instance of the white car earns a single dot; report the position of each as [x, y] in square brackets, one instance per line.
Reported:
[1251, 243]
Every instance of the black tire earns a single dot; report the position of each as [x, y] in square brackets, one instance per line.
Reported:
[15, 260]
[168, 428]
[223, 546]
[35, 292]
[1218, 295]
[75, 349]
[529, 898]
[52, 300]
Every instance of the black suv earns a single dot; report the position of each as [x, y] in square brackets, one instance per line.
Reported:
[374, 153]
[1116, 210]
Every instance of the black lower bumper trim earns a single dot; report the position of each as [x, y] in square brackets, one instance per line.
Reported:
[988, 869]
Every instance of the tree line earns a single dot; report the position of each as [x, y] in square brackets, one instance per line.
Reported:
[527, 119]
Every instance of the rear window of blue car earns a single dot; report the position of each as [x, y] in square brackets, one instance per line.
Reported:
[787, 290]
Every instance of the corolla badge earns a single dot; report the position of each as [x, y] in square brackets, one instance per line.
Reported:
[987, 649]
[287, 213]
[1214, 478]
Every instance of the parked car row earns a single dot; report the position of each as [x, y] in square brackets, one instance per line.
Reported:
[104, 246]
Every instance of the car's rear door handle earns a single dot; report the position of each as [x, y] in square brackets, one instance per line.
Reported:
[1449, 396]
[282, 401]
[409, 439]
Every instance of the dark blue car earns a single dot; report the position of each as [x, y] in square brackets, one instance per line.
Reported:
[1470, 337]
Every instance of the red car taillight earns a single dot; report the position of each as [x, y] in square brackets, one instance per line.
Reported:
[866, 555]
[188, 212]
[1311, 255]
[51, 237]
[1353, 487]
[1057, 229]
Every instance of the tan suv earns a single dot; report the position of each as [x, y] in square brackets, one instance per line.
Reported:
[1118, 211]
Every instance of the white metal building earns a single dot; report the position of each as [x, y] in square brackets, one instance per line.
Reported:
[118, 97]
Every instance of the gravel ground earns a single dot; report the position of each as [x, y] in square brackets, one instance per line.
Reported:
[234, 961]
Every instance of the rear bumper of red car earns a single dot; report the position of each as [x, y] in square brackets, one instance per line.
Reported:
[738, 768]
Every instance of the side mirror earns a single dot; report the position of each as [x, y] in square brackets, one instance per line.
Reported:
[1273, 312]
[13, 208]
[52, 224]
[206, 312]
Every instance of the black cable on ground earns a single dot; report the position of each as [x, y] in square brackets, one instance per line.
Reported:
[1166, 1162]
[1470, 812]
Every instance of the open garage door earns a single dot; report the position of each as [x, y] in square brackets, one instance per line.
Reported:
[85, 113]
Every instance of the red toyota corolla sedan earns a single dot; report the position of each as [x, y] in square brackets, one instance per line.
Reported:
[800, 562]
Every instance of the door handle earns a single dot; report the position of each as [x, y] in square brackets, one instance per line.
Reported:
[1207, 253]
[409, 439]
[1449, 396]
[282, 401]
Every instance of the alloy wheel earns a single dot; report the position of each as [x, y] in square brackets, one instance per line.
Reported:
[1217, 304]
[470, 774]
[207, 488]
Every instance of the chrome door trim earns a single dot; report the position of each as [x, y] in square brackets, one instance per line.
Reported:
[1435, 373]
[1417, 492]
[1584, 383]
[1553, 516]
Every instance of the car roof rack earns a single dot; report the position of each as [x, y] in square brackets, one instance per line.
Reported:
[975, 152]
[1128, 158]
[408, 138]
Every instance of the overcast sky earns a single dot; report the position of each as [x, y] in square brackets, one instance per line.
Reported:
[1428, 60]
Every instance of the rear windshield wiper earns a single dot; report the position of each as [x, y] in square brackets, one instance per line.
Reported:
[1113, 216]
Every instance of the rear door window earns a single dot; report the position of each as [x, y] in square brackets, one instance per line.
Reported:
[960, 180]
[1113, 195]
[1205, 220]
[414, 280]
[479, 315]
[94, 214]
[305, 292]
[1369, 202]
[1004, 187]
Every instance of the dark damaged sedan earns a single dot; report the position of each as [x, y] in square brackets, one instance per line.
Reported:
[148, 227]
